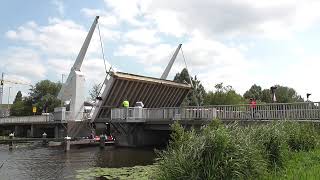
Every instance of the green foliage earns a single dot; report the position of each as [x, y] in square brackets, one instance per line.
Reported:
[94, 92]
[283, 94]
[266, 96]
[224, 95]
[124, 173]
[234, 152]
[21, 106]
[301, 165]
[18, 97]
[254, 92]
[301, 137]
[42, 95]
[271, 139]
[197, 94]
[212, 154]
[287, 95]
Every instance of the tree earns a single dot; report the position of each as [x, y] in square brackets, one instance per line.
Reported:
[287, 95]
[254, 92]
[197, 93]
[44, 96]
[18, 97]
[283, 94]
[266, 96]
[223, 95]
[21, 106]
[94, 92]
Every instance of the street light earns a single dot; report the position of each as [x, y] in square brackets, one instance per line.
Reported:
[9, 97]
[308, 94]
[273, 92]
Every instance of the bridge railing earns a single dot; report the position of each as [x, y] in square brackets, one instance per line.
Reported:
[156, 114]
[274, 111]
[26, 119]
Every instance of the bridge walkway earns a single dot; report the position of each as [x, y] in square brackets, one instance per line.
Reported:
[300, 111]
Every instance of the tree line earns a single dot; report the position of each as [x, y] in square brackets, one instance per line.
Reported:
[226, 95]
[44, 94]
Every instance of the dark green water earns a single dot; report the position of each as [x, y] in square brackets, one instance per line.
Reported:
[36, 162]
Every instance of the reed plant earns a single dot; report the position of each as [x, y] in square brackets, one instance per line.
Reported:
[218, 151]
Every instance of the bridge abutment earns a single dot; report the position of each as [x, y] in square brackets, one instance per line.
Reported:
[136, 135]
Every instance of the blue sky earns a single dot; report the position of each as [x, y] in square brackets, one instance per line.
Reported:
[238, 43]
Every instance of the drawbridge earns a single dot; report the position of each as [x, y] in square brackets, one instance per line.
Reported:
[153, 92]
[117, 87]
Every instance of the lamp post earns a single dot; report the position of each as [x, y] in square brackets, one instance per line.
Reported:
[9, 97]
[273, 92]
[308, 94]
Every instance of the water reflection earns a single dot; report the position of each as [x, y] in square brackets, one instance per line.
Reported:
[36, 162]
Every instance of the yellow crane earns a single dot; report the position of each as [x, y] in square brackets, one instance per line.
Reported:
[7, 81]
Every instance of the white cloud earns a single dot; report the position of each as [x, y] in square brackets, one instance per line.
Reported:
[62, 38]
[246, 17]
[105, 19]
[167, 22]
[142, 35]
[146, 54]
[22, 62]
[303, 76]
[129, 11]
[60, 6]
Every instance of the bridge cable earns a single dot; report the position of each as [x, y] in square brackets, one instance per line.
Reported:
[104, 62]
[185, 63]
[102, 51]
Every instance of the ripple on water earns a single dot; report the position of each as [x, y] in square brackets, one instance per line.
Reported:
[36, 162]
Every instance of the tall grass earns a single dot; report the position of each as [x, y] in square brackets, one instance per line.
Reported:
[233, 152]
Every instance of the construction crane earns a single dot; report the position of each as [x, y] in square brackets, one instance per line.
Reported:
[7, 81]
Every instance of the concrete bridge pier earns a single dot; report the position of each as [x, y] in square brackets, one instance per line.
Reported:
[31, 130]
[136, 135]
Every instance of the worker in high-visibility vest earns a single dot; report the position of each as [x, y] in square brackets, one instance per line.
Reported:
[125, 104]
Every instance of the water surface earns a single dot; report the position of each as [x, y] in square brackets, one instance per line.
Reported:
[36, 162]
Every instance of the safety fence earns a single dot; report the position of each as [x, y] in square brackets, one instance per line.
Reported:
[274, 111]
[156, 114]
[26, 119]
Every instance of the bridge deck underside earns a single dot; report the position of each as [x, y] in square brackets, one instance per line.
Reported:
[153, 92]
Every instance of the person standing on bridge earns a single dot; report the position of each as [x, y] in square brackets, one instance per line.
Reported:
[126, 105]
[253, 107]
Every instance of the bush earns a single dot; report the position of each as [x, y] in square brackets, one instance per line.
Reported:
[233, 152]
[301, 136]
[212, 154]
[271, 140]
[181, 159]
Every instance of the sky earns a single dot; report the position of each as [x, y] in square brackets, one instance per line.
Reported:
[237, 42]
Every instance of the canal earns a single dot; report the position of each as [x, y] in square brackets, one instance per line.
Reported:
[31, 161]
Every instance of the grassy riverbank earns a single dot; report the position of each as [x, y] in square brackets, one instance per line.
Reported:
[301, 165]
[271, 151]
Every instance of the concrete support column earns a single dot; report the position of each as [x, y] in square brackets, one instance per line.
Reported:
[32, 130]
[16, 130]
[102, 141]
[56, 131]
[67, 143]
[137, 136]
